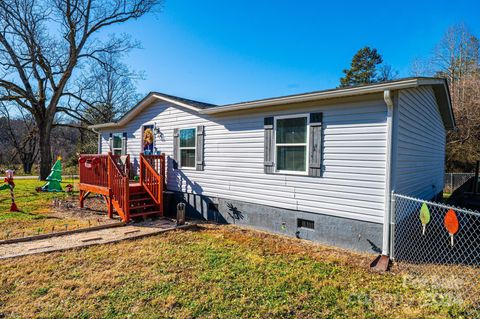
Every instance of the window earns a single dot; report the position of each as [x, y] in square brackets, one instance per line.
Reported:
[304, 223]
[291, 144]
[187, 147]
[117, 143]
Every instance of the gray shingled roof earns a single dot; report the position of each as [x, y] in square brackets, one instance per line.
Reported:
[197, 104]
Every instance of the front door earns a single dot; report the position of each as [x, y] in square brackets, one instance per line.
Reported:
[148, 139]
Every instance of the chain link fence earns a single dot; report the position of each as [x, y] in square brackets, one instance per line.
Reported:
[440, 245]
[455, 180]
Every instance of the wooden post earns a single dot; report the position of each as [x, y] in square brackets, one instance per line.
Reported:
[162, 171]
[127, 200]
[141, 169]
[110, 206]
[127, 189]
[81, 198]
[110, 176]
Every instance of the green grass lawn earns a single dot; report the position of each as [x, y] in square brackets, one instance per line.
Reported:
[212, 272]
[36, 215]
[67, 169]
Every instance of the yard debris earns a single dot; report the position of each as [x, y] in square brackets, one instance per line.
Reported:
[381, 264]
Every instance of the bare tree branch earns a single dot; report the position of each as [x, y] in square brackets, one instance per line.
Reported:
[43, 47]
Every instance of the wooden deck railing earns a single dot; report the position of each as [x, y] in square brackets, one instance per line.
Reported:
[94, 169]
[109, 175]
[152, 175]
[119, 185]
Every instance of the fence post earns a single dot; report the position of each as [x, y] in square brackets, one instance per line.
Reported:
[392, 226]
[451, 183]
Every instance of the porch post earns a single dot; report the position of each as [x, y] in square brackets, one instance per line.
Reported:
[109, 200]
[141, 168]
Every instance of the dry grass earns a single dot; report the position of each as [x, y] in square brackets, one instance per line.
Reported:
[215, 272]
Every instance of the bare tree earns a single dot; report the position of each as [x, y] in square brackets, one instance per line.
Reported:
[386, 73]
[105, 91]
[457, 58]
[45, 44]
[21, 133]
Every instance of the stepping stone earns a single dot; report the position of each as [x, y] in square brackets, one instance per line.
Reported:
[131, 231]
[91, 239]
[41, 247]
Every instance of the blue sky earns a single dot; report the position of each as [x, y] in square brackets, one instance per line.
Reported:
[231, 51]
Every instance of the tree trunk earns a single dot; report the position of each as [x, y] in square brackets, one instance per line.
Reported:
[27, 167]
[44, 131]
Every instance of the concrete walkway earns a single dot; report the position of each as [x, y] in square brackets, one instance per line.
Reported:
[90, 238]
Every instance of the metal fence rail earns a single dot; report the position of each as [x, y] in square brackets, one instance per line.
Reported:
[426, 240]
[455, 180]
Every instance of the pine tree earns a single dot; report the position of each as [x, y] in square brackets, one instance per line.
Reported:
[363, 68]
[55, 177]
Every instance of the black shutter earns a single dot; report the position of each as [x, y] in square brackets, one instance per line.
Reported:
[110, 142]
[315, 145]
[200, 148]
[269, 165]
[176, 148]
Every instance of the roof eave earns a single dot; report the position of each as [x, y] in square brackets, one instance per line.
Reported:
[374, 88]
[150, 98]
[442, 94]
[102, 126]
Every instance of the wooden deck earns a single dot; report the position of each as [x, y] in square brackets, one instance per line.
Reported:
[109, 176]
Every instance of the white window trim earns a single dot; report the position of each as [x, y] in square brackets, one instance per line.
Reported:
[180, 148]
[113, 143]
[306, 144]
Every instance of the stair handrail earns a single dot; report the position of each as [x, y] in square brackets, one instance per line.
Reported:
[151, 179]
[119, 185]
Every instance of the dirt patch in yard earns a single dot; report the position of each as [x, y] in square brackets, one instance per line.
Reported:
[94, 208]
[60, 214]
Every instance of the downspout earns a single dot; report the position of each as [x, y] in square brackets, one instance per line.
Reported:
[388, 98]
[99, 141]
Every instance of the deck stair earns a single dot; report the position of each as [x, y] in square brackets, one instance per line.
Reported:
[142, 204]
[108, 175]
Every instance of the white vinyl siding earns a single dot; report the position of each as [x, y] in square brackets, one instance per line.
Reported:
[354, 150]
[421, 142]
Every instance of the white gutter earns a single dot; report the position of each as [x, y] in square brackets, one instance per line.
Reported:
[372, 88]
[307, 97]
[387, 96]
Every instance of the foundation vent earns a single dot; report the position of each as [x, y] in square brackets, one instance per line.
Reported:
[304, 223]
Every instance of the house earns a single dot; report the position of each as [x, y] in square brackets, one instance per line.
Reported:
[319, 165]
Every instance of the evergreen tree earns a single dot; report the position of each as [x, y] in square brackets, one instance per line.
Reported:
[363, 68]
